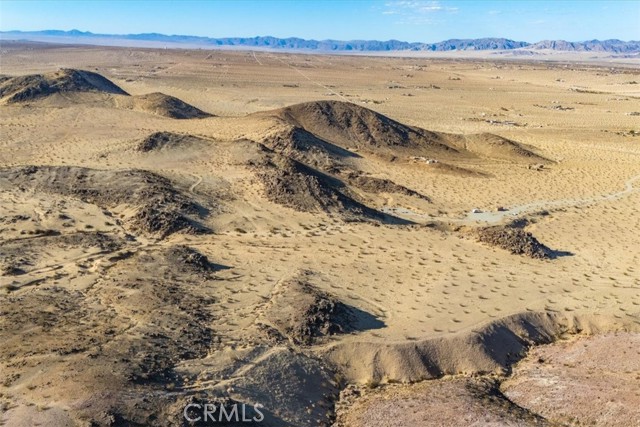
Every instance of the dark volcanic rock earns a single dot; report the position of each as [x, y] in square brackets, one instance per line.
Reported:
[293, 184]
[352, 126]
[160, 209]
[167, 106]
[303, 313]
[185, 257]
[515, 240]
[381, 185]
[35, 86]
[161, 140]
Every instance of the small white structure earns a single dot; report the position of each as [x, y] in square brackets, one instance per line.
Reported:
[423, 160]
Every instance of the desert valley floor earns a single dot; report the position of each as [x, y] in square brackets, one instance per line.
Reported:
[345, 240]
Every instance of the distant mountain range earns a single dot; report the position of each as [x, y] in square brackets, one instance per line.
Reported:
[294, 43]
[615, 46]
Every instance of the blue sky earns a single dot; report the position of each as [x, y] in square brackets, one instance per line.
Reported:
[407, 20]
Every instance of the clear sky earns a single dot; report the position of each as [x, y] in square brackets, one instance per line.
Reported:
[407, 20]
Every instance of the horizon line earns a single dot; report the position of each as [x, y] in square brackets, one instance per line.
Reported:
[76, 31]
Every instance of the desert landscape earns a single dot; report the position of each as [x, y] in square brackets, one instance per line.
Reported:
[341, 240]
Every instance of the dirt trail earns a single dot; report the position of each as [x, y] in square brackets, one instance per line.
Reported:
[195, 184]
[311, 80]
[238, 373]
[517, 211]
[256, 58]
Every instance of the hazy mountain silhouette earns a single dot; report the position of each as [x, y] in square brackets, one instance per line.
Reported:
[295, 43]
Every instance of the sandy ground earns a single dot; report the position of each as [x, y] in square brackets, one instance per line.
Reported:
[580, 381]
[562, 381]
[84, 309]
